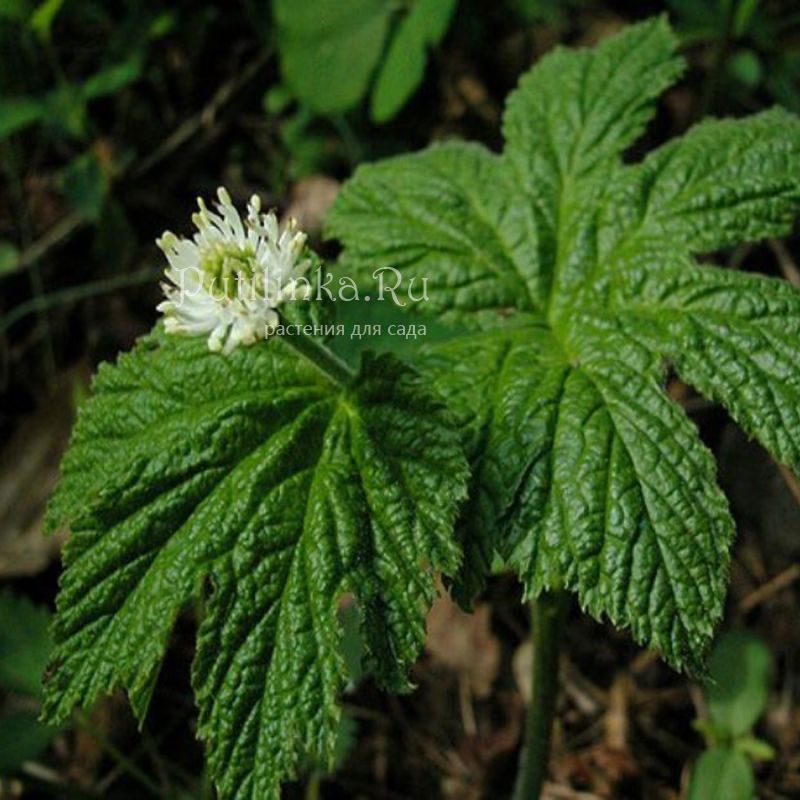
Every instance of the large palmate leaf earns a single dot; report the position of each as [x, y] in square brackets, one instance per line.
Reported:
[576, 273]
[257, 481]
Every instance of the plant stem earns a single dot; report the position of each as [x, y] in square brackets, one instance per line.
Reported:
[320, 356]
[547, 614]
[74, 293]
[313, 786]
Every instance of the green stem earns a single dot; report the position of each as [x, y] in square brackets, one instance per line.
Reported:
[320, 356]
[717, 70]
[313, 786]
[547, 615]
[74, 293]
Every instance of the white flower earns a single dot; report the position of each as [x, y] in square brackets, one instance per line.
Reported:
[229, 279]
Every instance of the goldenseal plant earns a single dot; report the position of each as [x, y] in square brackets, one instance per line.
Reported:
[267, 480]
[575, 274]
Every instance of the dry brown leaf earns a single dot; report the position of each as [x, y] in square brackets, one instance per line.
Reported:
[28, 472]
[310, 201]
[464, 643]
[522, 664]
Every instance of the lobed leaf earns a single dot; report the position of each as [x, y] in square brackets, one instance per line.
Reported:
[578, 271]
[450, 215]
[279, 492]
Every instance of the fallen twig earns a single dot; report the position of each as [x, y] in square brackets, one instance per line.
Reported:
[777, 584]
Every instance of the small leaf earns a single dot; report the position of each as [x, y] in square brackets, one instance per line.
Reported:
[85, 184]
[9, 257]
[745, 66]
[722, 774]
[65, 110]
[345, 739]
[353, 642]
[404, 67]
[163, 23]
[743, 16]
[276, 100]
[44, 16]
[329, 49]
[17, 113]
[739, 671]
[113, 78]
[754, 748]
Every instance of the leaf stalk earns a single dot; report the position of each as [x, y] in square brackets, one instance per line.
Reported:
[547, 617]
[320, 356]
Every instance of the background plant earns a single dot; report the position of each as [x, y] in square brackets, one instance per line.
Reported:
[330, 52]
[25, 647]
[736, 696]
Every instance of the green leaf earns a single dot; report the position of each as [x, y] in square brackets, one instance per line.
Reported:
[738, 687]
[699, 22]
[255, 477]
[733, 336]
[329, 49]
[65, 110]
[576, 271]
[15, 9]
[44, 16]
[352, 642]
[113, 78]
[745, 66]
[18, 113]
[9, 257]
[743, 16]
[722, 774]
[25, 645]
[85, 184]
[755, 749]
[446, 215]
[64, 107]
[404, 66]
[723, 182]
[494, 381]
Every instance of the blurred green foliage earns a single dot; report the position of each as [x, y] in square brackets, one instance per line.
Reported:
[736, 695]
[25, 646]
[330, 51]
[66, 69]
[755, 46]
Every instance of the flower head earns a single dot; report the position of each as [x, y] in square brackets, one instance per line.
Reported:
[229, 279]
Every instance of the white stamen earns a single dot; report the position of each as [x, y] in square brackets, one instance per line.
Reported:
[228, 280]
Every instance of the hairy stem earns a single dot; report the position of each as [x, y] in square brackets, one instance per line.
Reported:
[320, 356]
[547, 614]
